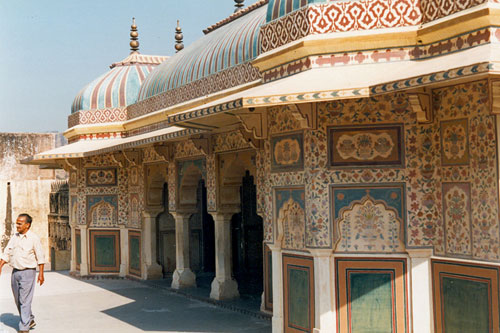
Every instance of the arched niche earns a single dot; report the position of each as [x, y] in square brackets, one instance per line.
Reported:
[369, 225]
[156, 176]
[232, 169]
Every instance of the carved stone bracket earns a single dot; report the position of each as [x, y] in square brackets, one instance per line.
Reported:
[67, 165]
[305, 114]
[495, 96]
[255, 122]
[119, 159]
[421, 104]
[248, 137]
[132, 156]
[202, 142]
[165, 151]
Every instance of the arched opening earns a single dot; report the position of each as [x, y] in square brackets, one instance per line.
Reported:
[193, 198]
[165, 237]
[202, 238]
[247, 239]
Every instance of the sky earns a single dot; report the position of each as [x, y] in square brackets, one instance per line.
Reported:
[51, 49]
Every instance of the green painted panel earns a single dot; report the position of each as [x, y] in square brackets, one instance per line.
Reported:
[298, 298]
[371, 302]
[78, 249]
[135, 253]
[465, 305]
[105, 250]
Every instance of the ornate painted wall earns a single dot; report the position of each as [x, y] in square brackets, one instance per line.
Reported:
[445, 171]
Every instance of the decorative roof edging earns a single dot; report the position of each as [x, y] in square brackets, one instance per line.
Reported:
[454, 44]
[235, 15]
[146, 141]
[231, 77]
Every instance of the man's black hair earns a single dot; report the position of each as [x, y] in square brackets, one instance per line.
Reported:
[27, 216]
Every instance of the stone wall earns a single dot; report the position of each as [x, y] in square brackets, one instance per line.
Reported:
[30, 186]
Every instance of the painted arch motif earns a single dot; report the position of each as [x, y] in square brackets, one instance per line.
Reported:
[369, 225]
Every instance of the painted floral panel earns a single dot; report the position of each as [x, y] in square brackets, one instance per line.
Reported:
[457, 217]
[366, 146]
[455, 142]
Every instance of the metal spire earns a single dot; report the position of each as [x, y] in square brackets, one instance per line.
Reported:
[134, 37]
[178, 38]
[239, 5]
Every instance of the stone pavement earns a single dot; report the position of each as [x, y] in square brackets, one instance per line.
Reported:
[65, 304]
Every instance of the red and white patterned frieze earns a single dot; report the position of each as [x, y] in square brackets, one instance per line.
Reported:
[97, 116]
[420, 52]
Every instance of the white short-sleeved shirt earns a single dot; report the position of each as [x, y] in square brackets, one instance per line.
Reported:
[24, 251]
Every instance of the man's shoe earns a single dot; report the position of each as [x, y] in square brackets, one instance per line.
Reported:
[23, 331]
[32, 324]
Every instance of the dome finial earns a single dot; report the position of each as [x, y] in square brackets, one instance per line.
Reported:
[239, 5]
[134, 37]
[178, 38]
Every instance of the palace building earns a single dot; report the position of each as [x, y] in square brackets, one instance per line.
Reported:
[341, 158]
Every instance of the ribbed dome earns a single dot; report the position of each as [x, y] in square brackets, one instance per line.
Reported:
[279, 8]
[232, 42]
[120, 86]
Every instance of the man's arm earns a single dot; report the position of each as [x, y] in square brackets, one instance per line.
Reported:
[5, 256]
[2, 262]
[40, 258]
[41, 278]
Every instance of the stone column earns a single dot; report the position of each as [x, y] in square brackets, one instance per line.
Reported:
[84, 243]
[124, 251]
[223, 285]
[150, 268]
[324, 289]
[421, 290]
[72, 264]
[183, 276]
[277, 288]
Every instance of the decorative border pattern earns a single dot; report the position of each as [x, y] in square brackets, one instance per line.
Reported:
[222, 80]
[97, 116]
[413, 52]
[339, 16]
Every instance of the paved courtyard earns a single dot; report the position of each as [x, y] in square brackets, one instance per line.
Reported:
[65, 304]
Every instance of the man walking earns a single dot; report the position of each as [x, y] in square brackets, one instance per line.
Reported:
[24, 252]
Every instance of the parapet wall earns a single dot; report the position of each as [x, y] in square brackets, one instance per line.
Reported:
[30, 186]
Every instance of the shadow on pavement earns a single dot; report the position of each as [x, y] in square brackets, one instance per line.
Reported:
[10, 320]
[152, 308]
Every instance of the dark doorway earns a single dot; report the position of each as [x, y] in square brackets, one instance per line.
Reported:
[165, 237]
[247, 237]
[202, 238]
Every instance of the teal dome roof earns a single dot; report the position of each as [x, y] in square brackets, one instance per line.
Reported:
[118, 87]
[279, 8]
[230, 43]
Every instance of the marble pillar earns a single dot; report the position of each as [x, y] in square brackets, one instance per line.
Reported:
[277, 320]
[324, 305]
[124, 251]
[84, 243]
[421, 290]
[183, 275]
[224, 286]
[150, 268]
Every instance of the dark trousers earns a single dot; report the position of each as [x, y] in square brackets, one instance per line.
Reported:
[23, 288]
